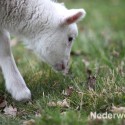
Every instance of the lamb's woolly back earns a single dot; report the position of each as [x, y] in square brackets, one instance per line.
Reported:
[19, 17]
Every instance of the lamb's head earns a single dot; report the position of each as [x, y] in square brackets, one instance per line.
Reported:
[56, 43]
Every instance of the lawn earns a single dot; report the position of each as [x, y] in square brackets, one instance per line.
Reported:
[96, 79]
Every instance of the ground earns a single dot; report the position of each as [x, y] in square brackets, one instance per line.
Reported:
[96, 80]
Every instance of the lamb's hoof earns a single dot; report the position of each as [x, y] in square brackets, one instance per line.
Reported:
[22, 95]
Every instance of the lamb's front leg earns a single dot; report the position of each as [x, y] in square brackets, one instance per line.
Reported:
[15, 84]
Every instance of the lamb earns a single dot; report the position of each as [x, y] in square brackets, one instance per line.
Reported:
[46, 27]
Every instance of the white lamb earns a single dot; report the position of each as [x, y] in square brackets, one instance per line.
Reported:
[46, 27]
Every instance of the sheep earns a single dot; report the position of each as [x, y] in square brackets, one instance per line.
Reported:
[46, 27]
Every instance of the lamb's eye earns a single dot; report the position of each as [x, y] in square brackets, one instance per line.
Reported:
[70, 39]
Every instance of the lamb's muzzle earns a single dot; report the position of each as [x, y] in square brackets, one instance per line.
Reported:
[61, 66]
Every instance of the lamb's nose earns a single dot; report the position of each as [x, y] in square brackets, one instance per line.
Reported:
[63, 66]
[60, 66]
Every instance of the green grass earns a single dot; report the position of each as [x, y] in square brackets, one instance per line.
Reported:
[101, 42]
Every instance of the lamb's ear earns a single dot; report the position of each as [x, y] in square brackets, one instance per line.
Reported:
[74, 16]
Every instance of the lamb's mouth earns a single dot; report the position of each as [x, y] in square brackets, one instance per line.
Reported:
[61, 68]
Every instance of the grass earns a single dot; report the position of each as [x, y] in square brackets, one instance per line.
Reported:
[101, 43]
